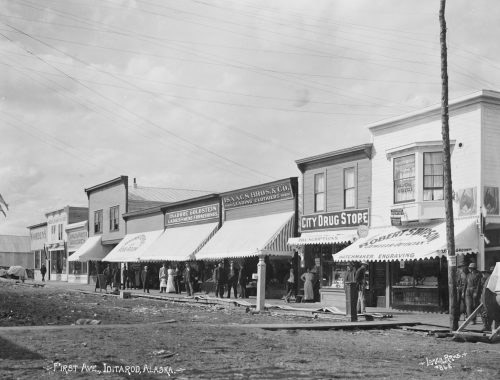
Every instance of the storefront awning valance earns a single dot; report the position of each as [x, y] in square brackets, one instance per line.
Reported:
[91, 250]
[412, 243]
[55, 246]
[179, 243]
[132, 247]
[324, 237]
[261, 235]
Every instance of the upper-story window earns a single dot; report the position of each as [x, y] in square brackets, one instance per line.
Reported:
[433, 176]
[404, 179]
[319, 192]
[53, 231]
[114, 218]
[59, 232]
[349, 188]
[98, 222]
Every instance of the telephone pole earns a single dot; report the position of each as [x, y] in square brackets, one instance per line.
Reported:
[448, 200]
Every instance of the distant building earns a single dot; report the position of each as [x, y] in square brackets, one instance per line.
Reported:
[38, 238]
[15, 250]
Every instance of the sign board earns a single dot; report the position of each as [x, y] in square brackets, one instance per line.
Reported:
[396, 215]
[191, 215]
[76, 239]
[452, 261]
[321, 221]
[260, 194]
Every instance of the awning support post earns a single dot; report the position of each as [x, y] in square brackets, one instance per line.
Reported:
[261, 284]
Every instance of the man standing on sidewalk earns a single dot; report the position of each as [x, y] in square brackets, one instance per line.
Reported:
[472, 290]
[220, 280]
[359, 278]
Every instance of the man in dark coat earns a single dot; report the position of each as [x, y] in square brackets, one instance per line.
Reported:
[145, 279]
[242, 282]
[220, 278]
[189, 279]
[461, 281]
[43, 270]
[232, 282]
[472, 290]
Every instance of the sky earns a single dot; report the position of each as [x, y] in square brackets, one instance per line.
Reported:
[213, 95]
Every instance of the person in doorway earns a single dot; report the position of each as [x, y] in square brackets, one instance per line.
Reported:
[189, 280]
[290, 285]
[461, 281]
[108, 276]
[443, 286]
[124, 276]
[43, 270]
[145, 279]
[472, 290]
[308, 279]
[242, 281]
[220, 278]
[360, 280]
[163, 278]
[349, 273]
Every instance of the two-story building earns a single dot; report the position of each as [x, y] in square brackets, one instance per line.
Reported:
[108, 202]
[407, 237]
[55, 246]
[336, 189]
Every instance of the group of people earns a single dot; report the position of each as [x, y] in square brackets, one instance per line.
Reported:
[171, 279]
[471, 286]
[236, 278]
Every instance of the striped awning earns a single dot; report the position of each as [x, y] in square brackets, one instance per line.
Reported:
[412, 242]
[324, 237]
[261, 235]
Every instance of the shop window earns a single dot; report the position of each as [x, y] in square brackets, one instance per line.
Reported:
[98, 222]
[333, 273]
[37, 259]
[404, 179]
[319, 192]
[349, 188]
[58, 262]
[433, 176]
[53, 231]
[114, 218]
[76, 267]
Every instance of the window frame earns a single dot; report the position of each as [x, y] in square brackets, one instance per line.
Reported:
[353, 188]
[98, 221]
[317, 192]
[394, 180]
[112, 211]
[433, 188]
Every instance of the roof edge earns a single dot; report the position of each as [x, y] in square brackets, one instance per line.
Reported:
[122, 178]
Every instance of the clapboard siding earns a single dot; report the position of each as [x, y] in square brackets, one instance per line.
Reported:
[491, 146]
[145, 223]
[334, 175]
[465, 128]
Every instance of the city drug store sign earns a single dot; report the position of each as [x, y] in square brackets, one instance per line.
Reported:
[322, 221]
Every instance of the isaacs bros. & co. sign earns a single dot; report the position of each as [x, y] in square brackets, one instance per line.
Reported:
[350, 218]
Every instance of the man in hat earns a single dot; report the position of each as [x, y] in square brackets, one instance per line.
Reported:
[359, 278]
[461, 281]
[472, 290]
[484, 312]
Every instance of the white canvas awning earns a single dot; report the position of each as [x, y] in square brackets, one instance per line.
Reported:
[179, 243]
[132, 247]
[412, 243]
[324, 237]
[494, 281]
[91, 250]
[261, 235]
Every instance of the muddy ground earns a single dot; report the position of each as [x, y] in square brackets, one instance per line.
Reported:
[170, 340]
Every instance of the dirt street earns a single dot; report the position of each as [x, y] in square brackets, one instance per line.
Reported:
[170, 340]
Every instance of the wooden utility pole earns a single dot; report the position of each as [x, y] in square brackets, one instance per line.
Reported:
[448, 199]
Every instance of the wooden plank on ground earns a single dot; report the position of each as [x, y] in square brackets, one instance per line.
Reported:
[470, 318]
[328, 326]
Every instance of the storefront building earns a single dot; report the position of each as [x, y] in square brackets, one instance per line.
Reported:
[38, 238]
[56, 247]
[110, 201]
[171, 234]
[407, 239]
[256, 225]
[77, 234]
[335, 203]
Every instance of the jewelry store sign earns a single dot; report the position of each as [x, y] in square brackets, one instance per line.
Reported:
[260, 194]
[350, 218]
[192, 215]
